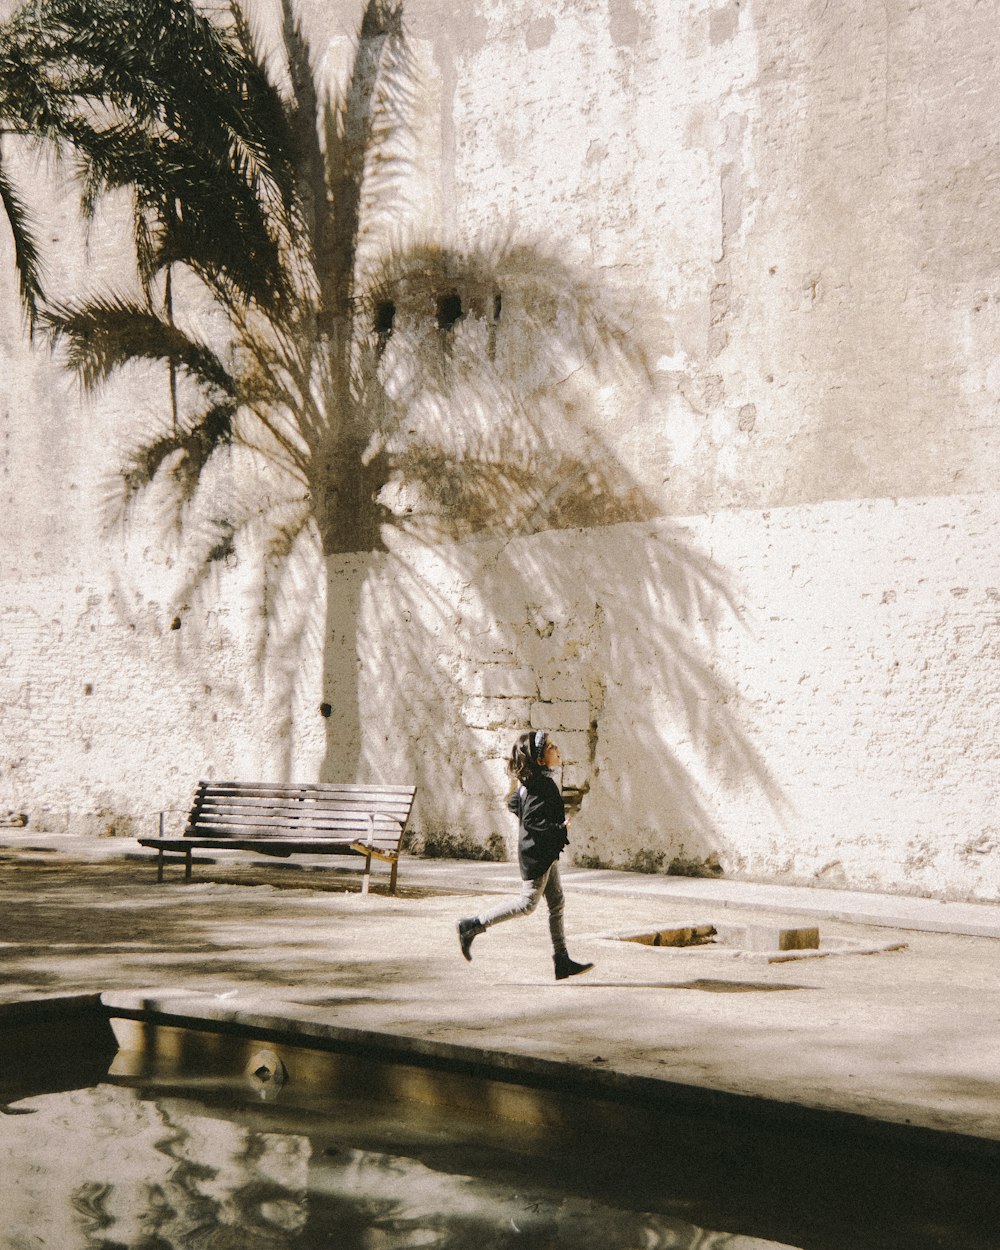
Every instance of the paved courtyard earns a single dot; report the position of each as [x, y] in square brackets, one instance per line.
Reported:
[905, 1035]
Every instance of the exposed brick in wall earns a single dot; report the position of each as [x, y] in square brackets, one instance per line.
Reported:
[106, 721]
[803, 694]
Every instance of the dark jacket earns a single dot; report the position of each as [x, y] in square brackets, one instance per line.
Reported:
[539, 808]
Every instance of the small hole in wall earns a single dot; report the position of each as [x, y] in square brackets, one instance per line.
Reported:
[449, 310]
[385, 315]
[88, 688]
[222, 550]
[325, 709]
[175, 623]
[497, 306]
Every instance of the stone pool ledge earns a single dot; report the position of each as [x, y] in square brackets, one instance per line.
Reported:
[277, 1024]
[904, 1036]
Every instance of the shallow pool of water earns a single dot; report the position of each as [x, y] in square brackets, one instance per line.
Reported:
[193, 1138]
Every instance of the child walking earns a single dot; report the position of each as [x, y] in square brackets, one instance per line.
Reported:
[541, 813]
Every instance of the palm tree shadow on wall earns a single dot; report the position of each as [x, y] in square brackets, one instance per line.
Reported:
[405, 424]
[486, 431]
[477, 382]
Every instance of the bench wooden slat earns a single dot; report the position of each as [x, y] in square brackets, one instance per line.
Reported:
[220, 832]
[278, 818]
[303, 807]
[314, 791]
[304, 810]
[313, 798]
[278, 825]
[245, 790]
[396, 810]
[267, 846]
[259, 820]
[323, 787]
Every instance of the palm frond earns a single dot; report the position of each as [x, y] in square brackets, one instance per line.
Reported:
[160, 98]
[145, 250]
[108, 333]
[566, 318]
[26, 256]
[390, 134]
[196, 445]
[207, 213]
[310, 162]
[268, 118]
[357, 137]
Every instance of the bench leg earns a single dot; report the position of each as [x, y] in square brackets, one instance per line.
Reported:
[367, 874]
[187, 865]
[159, 865]
[392, 876]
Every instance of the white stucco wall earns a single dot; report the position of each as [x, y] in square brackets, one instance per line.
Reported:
[730, 698]
[805, 195]
[790, 674]
[727, 692]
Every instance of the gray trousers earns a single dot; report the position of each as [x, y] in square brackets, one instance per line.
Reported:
[531, 894]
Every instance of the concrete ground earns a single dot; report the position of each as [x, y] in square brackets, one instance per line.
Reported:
[906, 1035]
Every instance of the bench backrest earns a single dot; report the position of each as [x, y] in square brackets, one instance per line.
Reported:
[335, 813]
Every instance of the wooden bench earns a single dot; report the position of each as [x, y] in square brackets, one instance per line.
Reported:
[279, 819]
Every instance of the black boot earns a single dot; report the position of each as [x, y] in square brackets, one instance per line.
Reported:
[566, 967]
[467, 930]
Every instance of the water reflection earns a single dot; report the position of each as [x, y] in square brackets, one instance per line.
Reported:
[175, 1149]
[106, 1169]
[189, 1180]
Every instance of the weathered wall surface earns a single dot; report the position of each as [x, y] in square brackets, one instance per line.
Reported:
[807, 195]
[732, 703]
[109, 715]
[780, 659]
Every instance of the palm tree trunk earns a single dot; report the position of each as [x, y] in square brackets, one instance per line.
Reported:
[168, 306]
[346, 576]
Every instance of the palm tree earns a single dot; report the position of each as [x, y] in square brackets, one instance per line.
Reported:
[255, 202]
[261, 198]
[437, 391]
[177, 110]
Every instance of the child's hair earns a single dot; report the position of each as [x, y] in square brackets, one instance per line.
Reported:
[526, 756]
